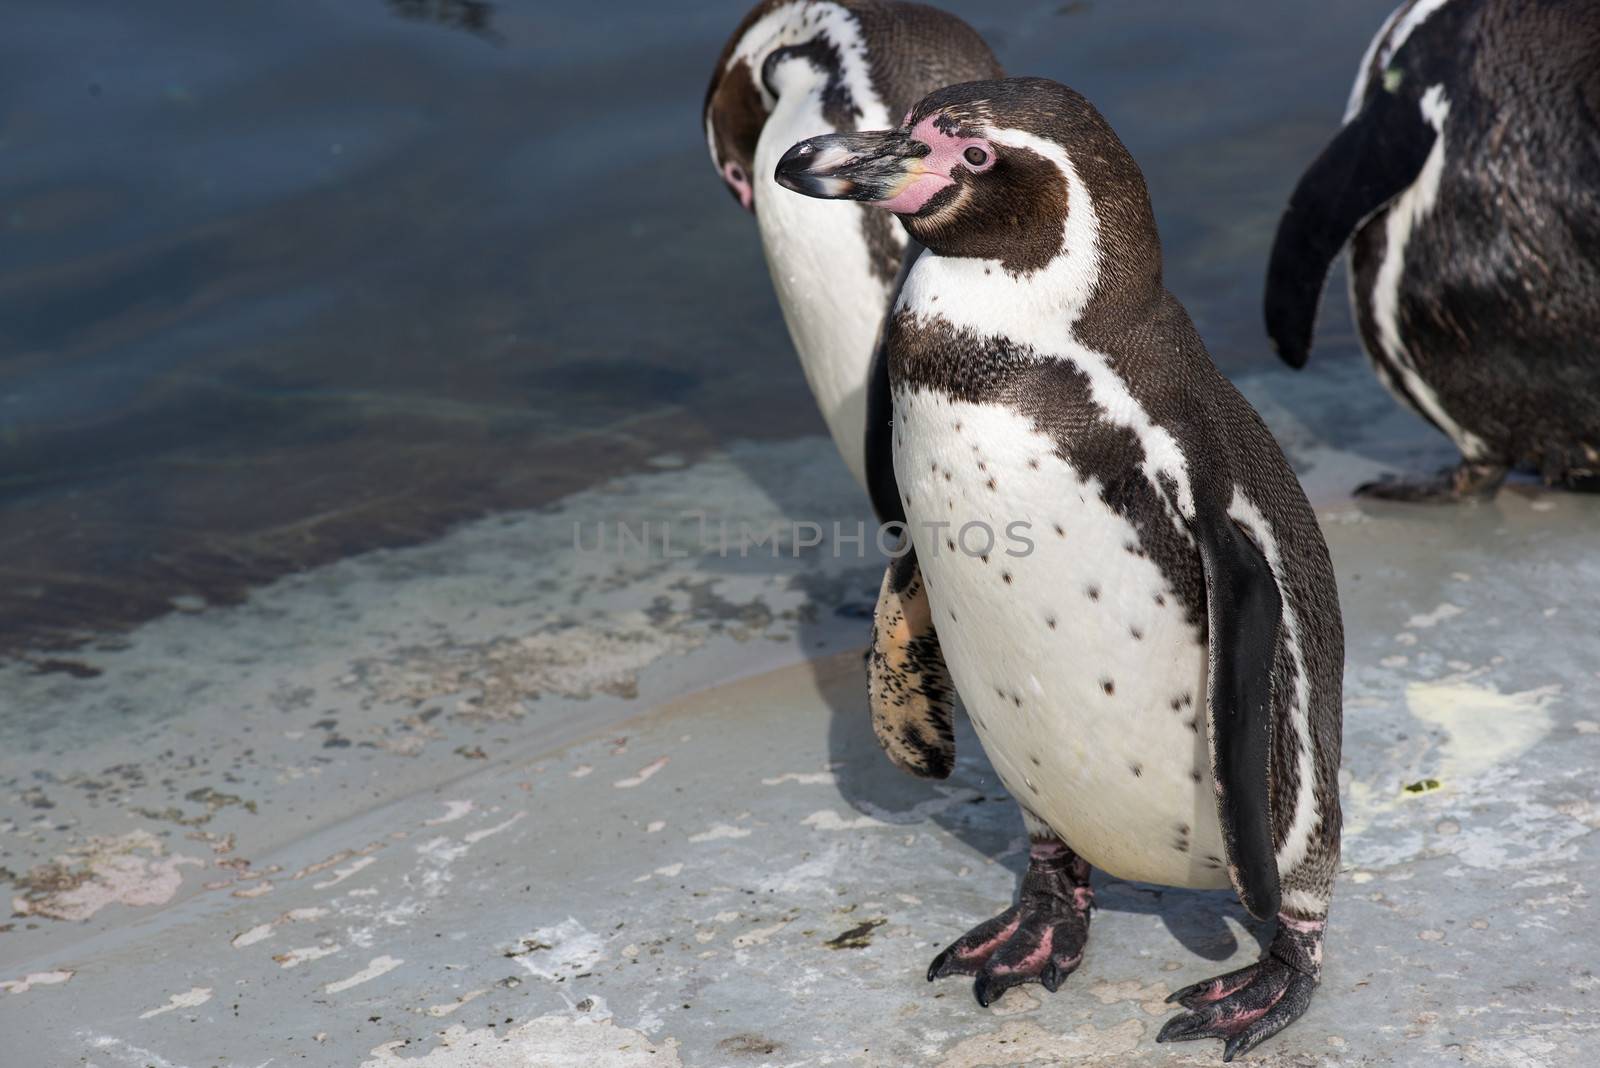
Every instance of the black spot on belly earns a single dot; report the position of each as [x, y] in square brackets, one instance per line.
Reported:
[1059, 531]
[1160, 599]
[1007, 576]
[1050, 621]
[1033, 463]
[1093, 592]
[951, 545]
[1193, 723]
[990, 483]
[984, 558]
[1195, 775]
[1138, 635]
[1177, 704]
[958, 426]
[1016, 699]
[1137, 769]
[1109, 686]
[947, 479]
[1035, 761]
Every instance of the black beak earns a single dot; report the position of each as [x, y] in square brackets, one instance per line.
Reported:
[869, 167]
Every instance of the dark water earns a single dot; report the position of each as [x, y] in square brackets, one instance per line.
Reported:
[281, 282]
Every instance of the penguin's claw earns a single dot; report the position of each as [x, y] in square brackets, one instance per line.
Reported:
[1244, 1008]
[1466, 481]
[1038, 940]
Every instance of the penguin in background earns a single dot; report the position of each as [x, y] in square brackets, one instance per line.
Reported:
[1132, 595]
[798, 68]
[1466, 181]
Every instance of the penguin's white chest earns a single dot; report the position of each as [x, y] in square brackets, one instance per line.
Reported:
[1082, 676]
[821, 270]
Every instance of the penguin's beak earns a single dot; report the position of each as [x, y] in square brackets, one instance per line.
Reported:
[885, 167]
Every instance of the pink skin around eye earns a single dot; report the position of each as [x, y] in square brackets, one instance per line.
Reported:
[938, 167]
[734, 175]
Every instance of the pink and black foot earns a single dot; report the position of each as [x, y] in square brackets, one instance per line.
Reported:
[1249, 1006]
[1040, 939]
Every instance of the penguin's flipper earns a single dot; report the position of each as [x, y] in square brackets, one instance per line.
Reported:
[1372, 160]
[908, 685]
[882, 488]
[881, 485]
[1244, 609]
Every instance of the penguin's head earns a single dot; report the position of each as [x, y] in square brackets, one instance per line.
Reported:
[733, 116]
[985, 169]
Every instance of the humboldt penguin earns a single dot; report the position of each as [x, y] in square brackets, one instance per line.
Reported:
[1132, 595]
[1466, 180]
[792, 69]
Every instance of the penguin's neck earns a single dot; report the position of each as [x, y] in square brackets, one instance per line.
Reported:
[1037, 310]
[821, 265]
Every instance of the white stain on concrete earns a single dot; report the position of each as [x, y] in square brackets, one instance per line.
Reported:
[375, 967]
[556, 1041]
[477, 836]
[643, 776]
[125, 1052]
[341, 874]
[252, 936]
[1434, 618]
[33, 979]
[803, 778]
[130, 869]
[1485, 728]
[449, 1007]
[559, 952]
[720, 831]
[453, 810]
[192, 998]
[669, 871]
[305, 954]
[264, 930]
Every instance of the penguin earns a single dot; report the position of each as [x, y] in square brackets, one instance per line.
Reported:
[1466, 181]
[795, 68]
[1132, 596]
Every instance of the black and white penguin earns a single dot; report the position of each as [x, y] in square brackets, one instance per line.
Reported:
[1466, 179]
[794, 69]
[1131, 593]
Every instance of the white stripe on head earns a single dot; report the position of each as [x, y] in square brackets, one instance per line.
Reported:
[1391, 37]
[799, 22]
[1040, 309]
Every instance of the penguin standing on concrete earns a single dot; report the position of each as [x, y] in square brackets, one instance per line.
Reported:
[793, 69]
[1132, 595]
[1466, 179]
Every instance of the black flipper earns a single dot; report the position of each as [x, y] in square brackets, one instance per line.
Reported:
[881, 485]
[1244, 609]
[1372, 160]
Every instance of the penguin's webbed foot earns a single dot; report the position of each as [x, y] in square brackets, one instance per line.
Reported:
[1040, 939]
[1249, 1006]
[1467, 481]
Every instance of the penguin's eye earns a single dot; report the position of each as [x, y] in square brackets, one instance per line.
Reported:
[736, 172]
[976, 156]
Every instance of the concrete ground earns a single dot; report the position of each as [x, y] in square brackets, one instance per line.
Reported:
[501, 801]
